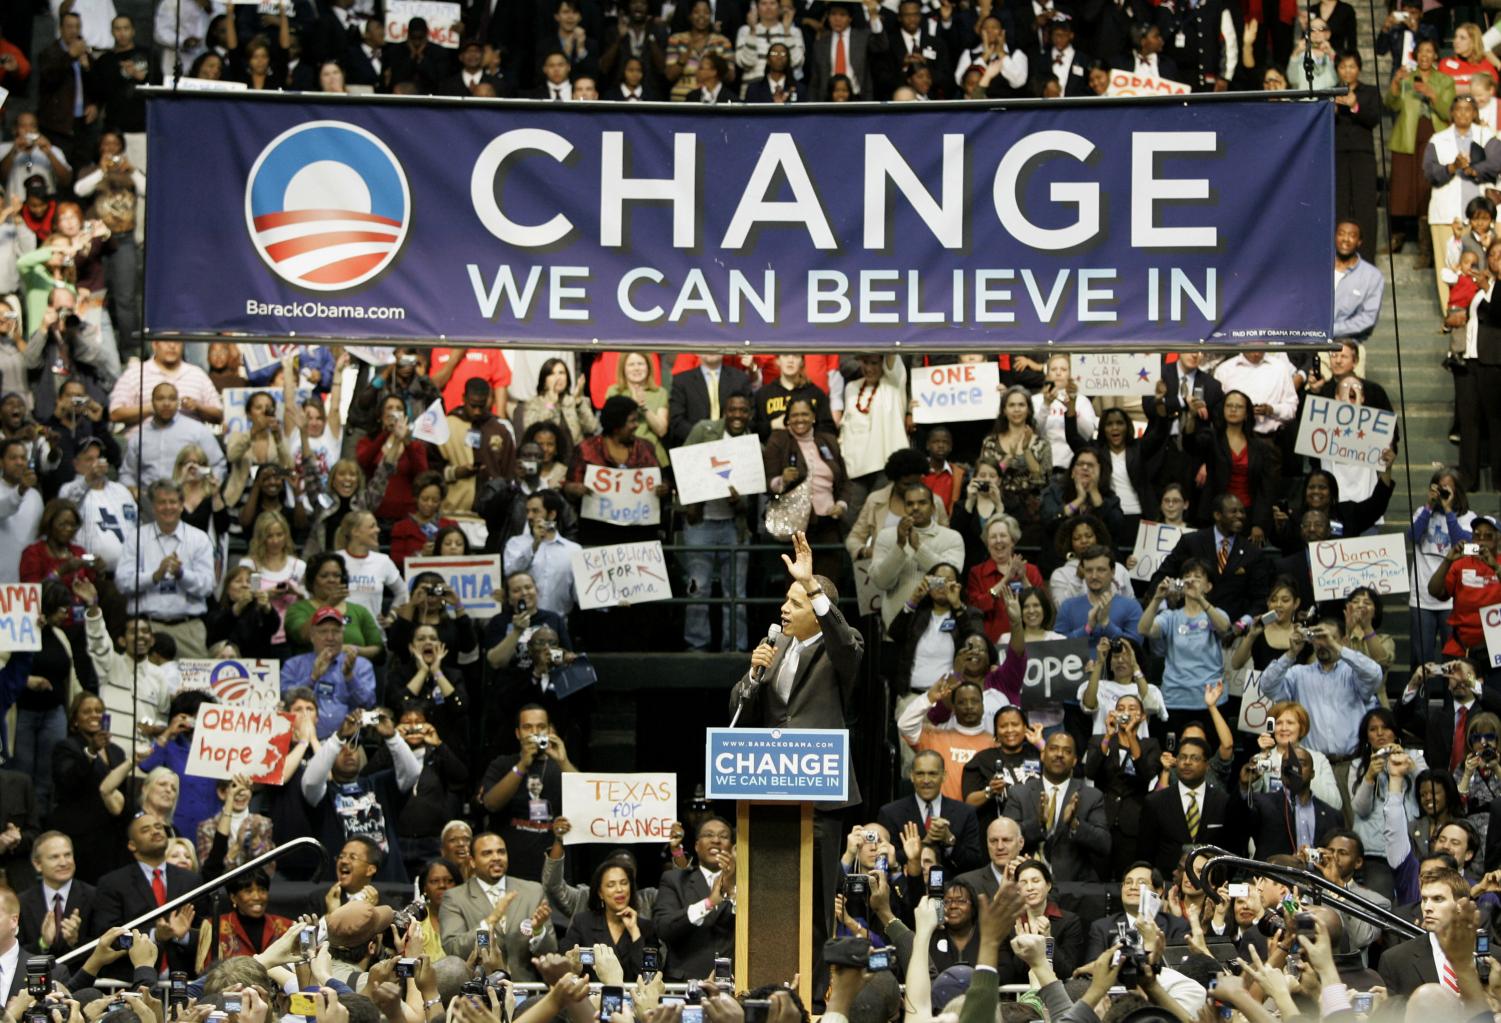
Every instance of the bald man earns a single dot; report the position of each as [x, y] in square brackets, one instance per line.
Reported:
[1003, 844]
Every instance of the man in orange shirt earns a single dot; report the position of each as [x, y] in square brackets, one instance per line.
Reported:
[957, 739]
[452, 368]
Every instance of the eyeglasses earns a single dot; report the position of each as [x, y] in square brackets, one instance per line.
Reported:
[1483, 737]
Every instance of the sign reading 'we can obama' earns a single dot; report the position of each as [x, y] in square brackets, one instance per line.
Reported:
[1108, 225]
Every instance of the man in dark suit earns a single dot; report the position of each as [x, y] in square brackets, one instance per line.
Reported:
[1062, 819]
[913, 43]
[1408, 966]
[1188, 813]
[335, 31]
[713, 82]
[1190, 397]
[149, 881]
[471, 73]
[418, 60]
[1289, 821]
[843, 49]
[1145, 57]
[1122, 771]
[809, 676]
[688, 401]
[1141, 877]
[1062, 62]
[694, 914]
[1243, 579]
[54, 909]
[19, 825]
[949, 825]
[364, 62]
[1003, 847]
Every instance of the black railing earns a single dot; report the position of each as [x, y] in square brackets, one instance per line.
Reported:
[147, 920]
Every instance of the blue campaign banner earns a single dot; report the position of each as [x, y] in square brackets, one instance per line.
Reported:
[1106, 225]
[778, 764]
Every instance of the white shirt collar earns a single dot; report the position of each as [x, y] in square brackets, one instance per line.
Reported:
[48, 892]
[1198, 793]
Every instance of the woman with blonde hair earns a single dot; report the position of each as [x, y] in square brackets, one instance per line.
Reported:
[634, 380]
[158, 795]
[274, 568]
[347, 491]
[1470, 57]
[203, 504]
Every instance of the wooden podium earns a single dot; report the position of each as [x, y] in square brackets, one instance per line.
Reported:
[774, 895]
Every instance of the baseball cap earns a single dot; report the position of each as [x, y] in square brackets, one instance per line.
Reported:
[88, 442]
[950, 984]
[36, 185]
[357, 922]
[327, 614]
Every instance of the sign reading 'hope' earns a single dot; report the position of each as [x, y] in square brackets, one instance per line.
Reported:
[1341, 431]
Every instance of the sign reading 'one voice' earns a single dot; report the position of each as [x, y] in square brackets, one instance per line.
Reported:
[956, 393]
[1341, 431]
[629, 572]
[622, 497]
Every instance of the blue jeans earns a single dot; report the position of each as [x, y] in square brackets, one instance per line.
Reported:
[1429, 632]
[37, 731]
[702, 568]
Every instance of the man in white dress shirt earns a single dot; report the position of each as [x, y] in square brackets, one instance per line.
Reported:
[1267, 379]
[544, 553]
[169, 572]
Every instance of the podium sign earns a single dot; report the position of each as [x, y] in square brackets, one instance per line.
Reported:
[778, 764]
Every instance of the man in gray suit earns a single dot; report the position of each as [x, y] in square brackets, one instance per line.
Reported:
[515, 911]
[805, 681]
[1061, 818]
[843, 49]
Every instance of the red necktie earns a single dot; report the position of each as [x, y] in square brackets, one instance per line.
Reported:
[927, 816]
[841, 65]
[159, 892]
[1458, 755]
[1224, 555]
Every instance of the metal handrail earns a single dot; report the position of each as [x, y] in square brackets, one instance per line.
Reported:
[1343, 899]
[197, 893]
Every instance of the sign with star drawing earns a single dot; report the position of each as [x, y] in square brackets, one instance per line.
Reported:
[1125, 375]
[1343, 432]
[704, 472]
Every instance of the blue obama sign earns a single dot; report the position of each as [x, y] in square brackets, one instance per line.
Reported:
[789, 764]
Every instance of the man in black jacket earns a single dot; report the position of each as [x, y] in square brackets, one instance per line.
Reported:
[1408, 966]
[1289, 821]
[805, 681]
[54, 909]
[1062, 819]
[146, 883]
[689, 400]
[694, 914]
[1188, 813]
[1141, 877]
[950, 825]
[1243, 578]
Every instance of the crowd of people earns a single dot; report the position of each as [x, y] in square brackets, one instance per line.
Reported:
[203, 502]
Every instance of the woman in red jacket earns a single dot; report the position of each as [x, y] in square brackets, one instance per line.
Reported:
[395, 444]
[55, 556]
[413, 536]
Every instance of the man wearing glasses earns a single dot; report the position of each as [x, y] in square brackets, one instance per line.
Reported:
[340, 678]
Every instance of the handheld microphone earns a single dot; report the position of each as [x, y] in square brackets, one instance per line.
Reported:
[772, 635]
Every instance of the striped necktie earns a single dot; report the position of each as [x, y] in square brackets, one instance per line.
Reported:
[1191, 816]
[1224, 554]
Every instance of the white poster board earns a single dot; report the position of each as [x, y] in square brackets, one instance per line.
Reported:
[1339, 566]
[1154, 542]
[622, 497]
[630, 572]
[444, 27]
[234, 399]
[1255, 709]
[1129, 83]
[234, 739]
[619, 808]
[474, 577]
[705, 472]
[958, 392]
[1126, 375]
[1490, 621]
[867, 593]
[1346, 433]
